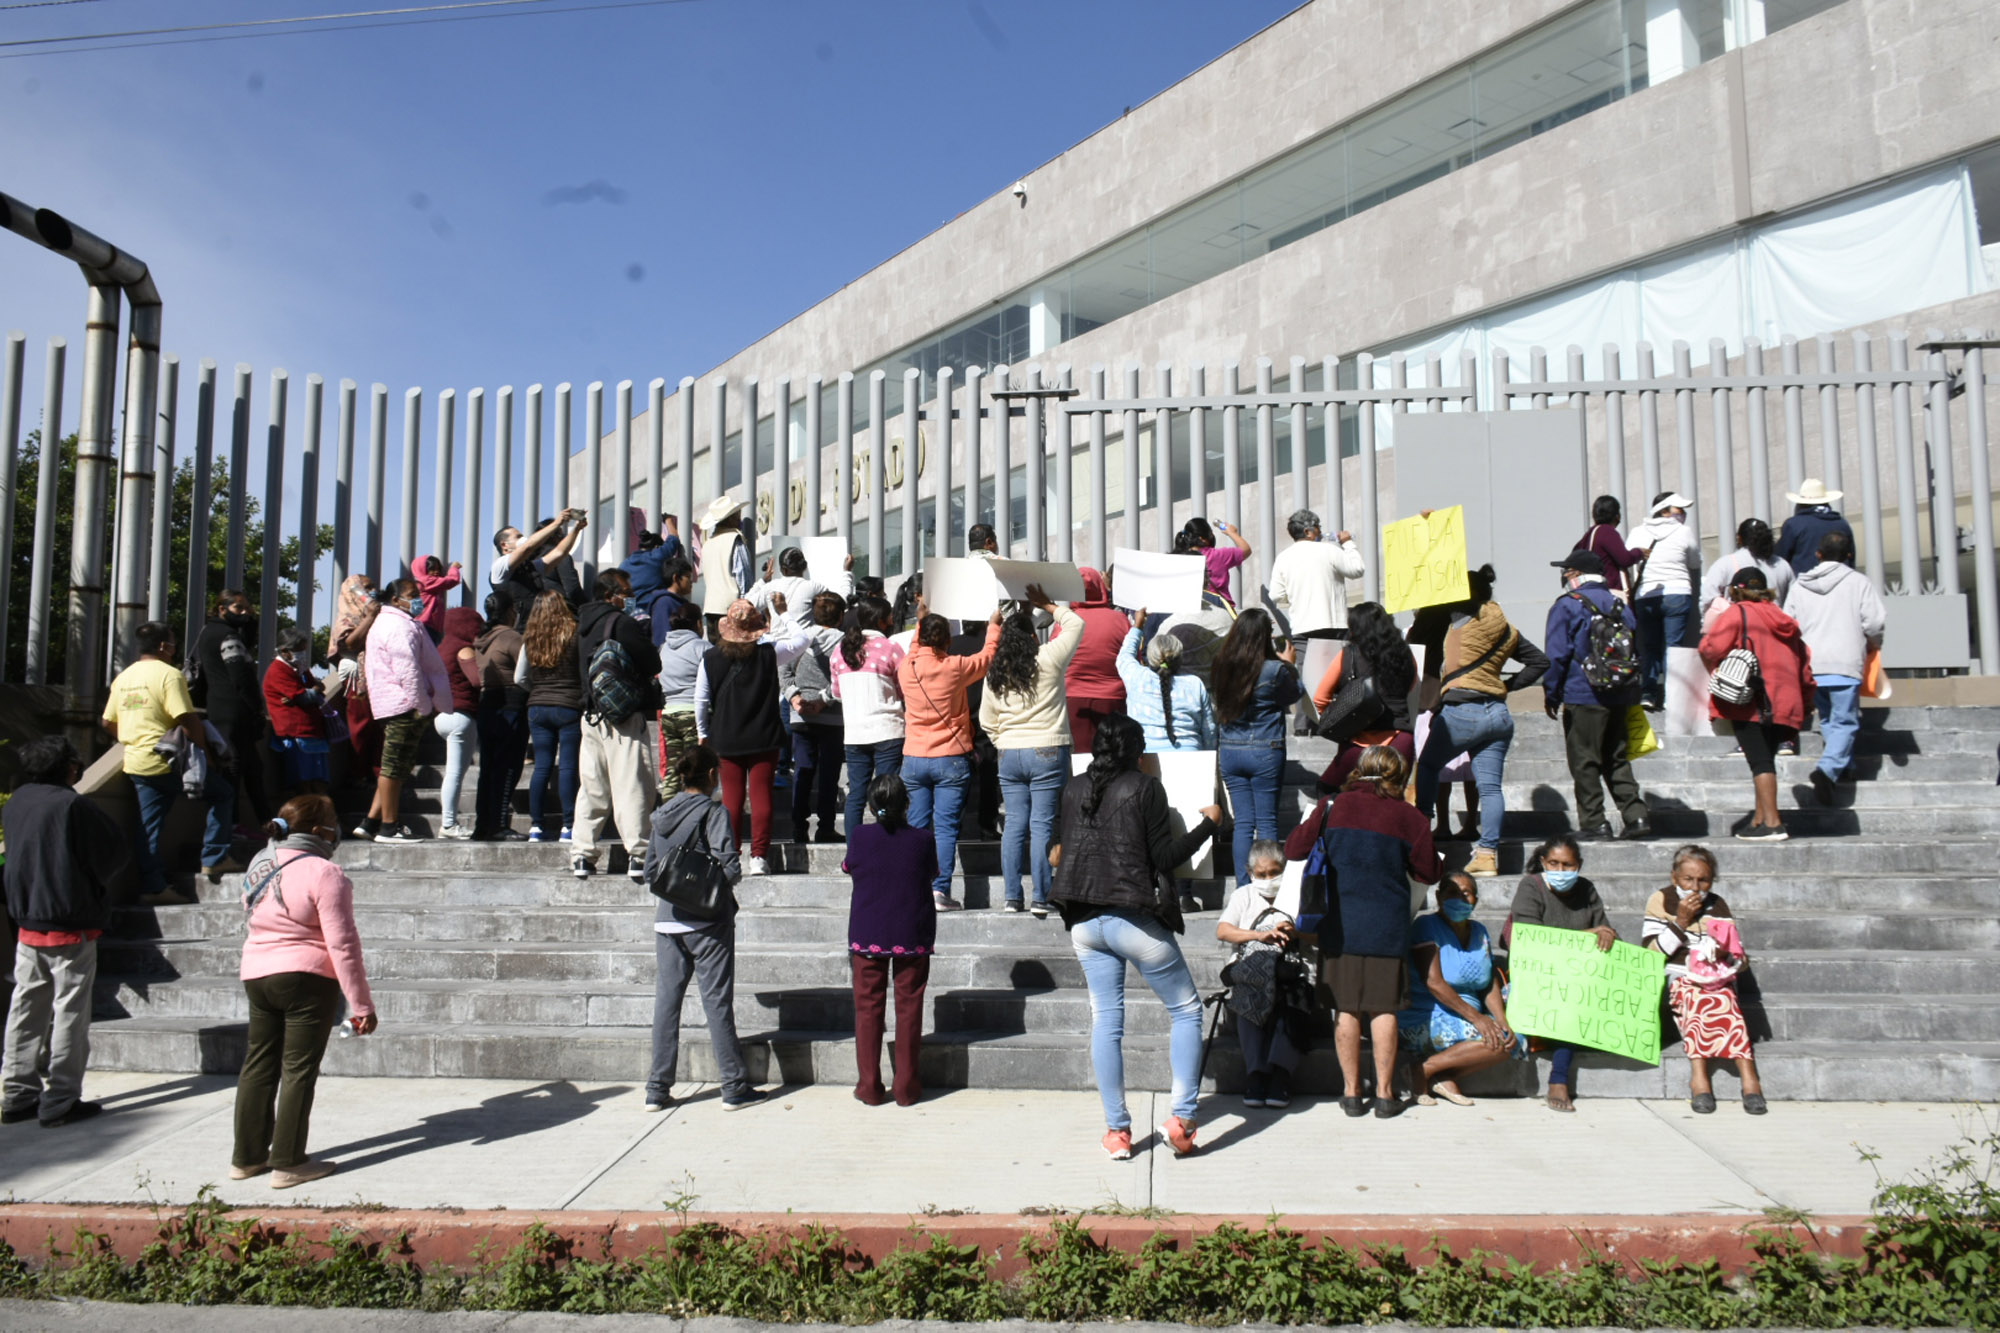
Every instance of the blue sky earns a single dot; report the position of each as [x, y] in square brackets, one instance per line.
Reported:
[624, 193]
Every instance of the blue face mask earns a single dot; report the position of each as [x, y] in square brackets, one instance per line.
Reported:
[416, 606]
[1456, 910]
[1562, 881]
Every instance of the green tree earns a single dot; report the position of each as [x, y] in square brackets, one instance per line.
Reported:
[180, 511]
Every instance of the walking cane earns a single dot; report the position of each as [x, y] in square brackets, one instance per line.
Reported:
[1220, 1001]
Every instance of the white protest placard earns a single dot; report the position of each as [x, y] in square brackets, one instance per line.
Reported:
[1189, 777]
[1687, 694]
[1169, 583]
[826, 559]
[961, 587]
[1059, 582]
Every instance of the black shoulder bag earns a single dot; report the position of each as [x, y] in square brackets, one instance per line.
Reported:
[692, 881]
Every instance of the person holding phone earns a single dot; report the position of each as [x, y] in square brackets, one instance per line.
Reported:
[301, 956]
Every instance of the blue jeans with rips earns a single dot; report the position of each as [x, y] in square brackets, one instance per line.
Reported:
[1104, 945]
[1483, 730]
[938, 784]
[1031, 783]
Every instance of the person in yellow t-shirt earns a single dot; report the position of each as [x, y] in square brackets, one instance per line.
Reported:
[149, 699]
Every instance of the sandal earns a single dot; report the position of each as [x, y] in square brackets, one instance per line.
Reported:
[1454, 1096]
[1565, 1105]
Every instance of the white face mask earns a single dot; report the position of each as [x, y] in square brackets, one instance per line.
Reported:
[1268, 887]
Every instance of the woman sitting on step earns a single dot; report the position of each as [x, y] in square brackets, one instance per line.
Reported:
[1456, 1019]
[300, 957]
[1691, 925]
[1554, 893]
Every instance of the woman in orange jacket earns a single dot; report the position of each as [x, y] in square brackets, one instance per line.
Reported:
[937, 735]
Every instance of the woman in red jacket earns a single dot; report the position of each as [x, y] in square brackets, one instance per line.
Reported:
[1783, 685]
[1095, 691]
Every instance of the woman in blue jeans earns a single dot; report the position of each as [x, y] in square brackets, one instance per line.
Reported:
[871, 702]
[548, 667]
[1025, 709]
[1253, 685]
[1116, 841]
[1472, 716]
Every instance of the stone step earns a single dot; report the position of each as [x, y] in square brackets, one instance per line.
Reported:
[1827, 1071]
[413, 1005]
[1766, 930]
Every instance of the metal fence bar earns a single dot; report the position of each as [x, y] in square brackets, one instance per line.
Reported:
[1131, 449]
[302, 610]
[815, 459]
[1435, 400]
[559, 465]
[1197, 446]
[843, 476]
[469, 540]
[1906, 468]
[878, 438]
[1874, 555]
[1615, 483]
[1829, 415]
[1033, 446]
[1100, 538]
[274, 526]
[1944, 494]
[656, 451]
[1986, 588]
[684, 470]
[1579, 402]
[41, 570]
[1759, 427]
[913, 540]
[621, 475]
[1329, 435]
[941, 543]
[719, 436]
[1232, 457]
[1649, 430]
[1267, 477]
[1163, 458]
[584, 553]
[163, 498]
[1684, 441]
[1371, 517]
[1468, 377]
[343, 485]
[1065, 477]
[10, 444]
[447, 435]
[378, 479]
[503, 493]
[781, 460]
[1720, 412]
[1795, 416]
[531, 462]
[1538, 373]
[746, 458]
[239, 467]
[1299, 429]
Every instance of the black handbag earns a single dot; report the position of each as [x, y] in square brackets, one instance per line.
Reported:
[692, 881]
[1356, 707]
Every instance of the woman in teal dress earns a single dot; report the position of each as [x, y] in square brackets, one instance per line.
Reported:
[1456, 1020]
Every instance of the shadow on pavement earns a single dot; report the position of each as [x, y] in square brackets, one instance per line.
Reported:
[501, 1117]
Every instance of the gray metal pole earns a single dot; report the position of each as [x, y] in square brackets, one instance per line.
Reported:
[1760, 441]
[1795, 417]
[656, 452]
[781, 458]
[1134, 495]
[447, 433]
[1649, 430]
[1579, 403]
[753, 526]
[158, 579]
[1614, 432]
[378, 480]
[413, 448]
[135, 489]
[1725, 448]
[843, 476]
[1944, 490]
[1267, 477]
[1232, 448]
[975, 430]
[532, 463]
[1371, 516]
[1003, 463]
[274, 519]
[10, 444]
[1100, 536]
[1301, 491]
[239, 469]
[913, 539]
[941, 542]
[720, 465]
[1986, 588]
[585, 551]
[1033, 446]
[1065, 477]
[1906, 468]
[559, 476]
[84, 656]
[1829, 414]
[1163, 455]
[1329, 429]
[469, 539]
[1684, 430]
[684, 481]
[1875, 555]
[200, 503]
[302, 611]
[878, 443]
[815, 455]
[503, 491]
[1198, 445]
[621, 477]
[343, 484]
[48, 458]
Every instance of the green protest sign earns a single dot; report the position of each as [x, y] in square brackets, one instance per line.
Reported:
[1567, 989]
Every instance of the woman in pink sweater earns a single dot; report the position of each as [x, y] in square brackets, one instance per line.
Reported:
[300, 957]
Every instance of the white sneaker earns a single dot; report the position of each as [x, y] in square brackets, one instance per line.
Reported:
[456, 832]
[580, 867]
[637, 870]
[755, 866]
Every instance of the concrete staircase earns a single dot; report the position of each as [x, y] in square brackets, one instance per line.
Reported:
[1875, 934]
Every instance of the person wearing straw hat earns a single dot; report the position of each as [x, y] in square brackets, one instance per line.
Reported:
[1663, 593]
[726, 566]
[1813, 517]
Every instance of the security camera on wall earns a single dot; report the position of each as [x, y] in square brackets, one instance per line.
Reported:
[1021, 192]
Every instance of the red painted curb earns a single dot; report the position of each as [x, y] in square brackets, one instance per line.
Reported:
[452, 1238]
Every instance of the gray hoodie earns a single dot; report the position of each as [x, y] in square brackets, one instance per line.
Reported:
[686, 817]
[1840, 614]
[680, 662]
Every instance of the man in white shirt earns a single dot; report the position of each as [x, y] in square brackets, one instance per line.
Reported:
[1309, 578]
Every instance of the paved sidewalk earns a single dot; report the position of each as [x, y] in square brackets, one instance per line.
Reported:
[462, 1143]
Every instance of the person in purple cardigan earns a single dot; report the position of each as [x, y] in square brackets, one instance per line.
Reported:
[1603, 538]
[891, 934]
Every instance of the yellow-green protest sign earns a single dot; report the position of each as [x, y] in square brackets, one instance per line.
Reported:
[1423, 560]
[1562, 986]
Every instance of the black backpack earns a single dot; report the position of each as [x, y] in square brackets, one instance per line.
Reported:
[1611, 649]
[613, 686]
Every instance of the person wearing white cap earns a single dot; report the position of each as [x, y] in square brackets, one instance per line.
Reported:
[1812, 519]
[1663, 595]
[726, 568]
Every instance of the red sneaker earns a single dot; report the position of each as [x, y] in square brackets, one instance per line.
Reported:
[1118, 1143]
[1179, 1135]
